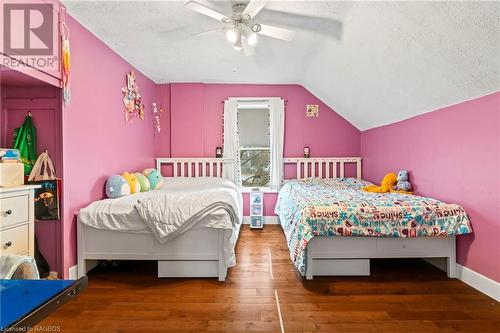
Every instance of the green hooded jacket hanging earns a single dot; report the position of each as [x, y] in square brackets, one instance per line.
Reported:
[25, 141]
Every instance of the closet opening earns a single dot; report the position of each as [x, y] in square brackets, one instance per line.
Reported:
[25, 96]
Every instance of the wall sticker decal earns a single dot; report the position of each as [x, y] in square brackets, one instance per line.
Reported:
[156, 118]
[132, 99]
[312, 110]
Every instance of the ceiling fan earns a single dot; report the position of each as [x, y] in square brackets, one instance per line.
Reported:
[241, 28]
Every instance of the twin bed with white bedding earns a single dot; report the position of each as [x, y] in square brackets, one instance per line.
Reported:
[190, 226]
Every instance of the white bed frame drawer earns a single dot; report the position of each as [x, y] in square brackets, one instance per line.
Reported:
[15, 240]
[342, 267]
[14, 210]
[188, 268]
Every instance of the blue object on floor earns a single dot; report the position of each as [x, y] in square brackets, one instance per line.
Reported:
[22, 299]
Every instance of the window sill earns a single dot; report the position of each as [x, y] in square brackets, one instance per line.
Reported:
[262, 189]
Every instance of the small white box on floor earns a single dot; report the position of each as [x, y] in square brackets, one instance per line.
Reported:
[256, 209]
[256, 222]
[11, 174]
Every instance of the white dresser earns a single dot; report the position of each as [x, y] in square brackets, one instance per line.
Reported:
[17, 213]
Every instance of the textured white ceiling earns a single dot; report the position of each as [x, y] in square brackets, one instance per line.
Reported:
[376, 63]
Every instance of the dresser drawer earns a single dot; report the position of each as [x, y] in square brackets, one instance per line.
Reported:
[14, 210]
[14, 240]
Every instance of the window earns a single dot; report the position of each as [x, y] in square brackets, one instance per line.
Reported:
[254, 145]
[253, 141]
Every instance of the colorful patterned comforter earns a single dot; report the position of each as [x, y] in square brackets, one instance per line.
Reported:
[339, 207]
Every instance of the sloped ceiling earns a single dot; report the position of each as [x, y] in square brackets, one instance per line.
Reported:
[375, 62]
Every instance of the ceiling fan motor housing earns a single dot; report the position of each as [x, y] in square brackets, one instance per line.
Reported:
[238, 16]
[239, 8]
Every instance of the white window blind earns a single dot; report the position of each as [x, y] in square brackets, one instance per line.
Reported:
[254, 128]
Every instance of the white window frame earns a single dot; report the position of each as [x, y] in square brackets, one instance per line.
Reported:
[255, 103]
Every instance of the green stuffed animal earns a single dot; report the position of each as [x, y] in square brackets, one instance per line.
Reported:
[143, 182]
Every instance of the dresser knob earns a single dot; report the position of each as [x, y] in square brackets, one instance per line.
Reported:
[8, 244]
[8, 212]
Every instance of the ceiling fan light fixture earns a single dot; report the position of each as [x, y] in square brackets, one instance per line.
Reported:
[252, 39]
[233, 35]
[237, 46]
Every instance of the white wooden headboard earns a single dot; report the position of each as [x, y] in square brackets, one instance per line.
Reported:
[193, 167]
[323, 167]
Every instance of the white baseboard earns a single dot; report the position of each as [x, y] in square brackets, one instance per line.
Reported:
[267, 220]
[480, 282]
[73, 272]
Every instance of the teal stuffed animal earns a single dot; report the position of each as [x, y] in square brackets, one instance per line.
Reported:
[117, 186]
[154, 177]
[143, 182]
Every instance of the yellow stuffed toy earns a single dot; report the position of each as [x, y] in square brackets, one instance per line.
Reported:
[135, 187]
[387, 184]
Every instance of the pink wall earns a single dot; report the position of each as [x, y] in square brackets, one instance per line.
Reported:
[196, 111]
[453, 154]
[162, 139]
[44, 103]
[97, 140]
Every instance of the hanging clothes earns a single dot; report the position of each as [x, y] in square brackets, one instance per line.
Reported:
[25, 142]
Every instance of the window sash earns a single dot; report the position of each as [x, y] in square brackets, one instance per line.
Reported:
[255, 148]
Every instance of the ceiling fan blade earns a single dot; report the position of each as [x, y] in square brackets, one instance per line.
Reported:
[249, 50]
[253, 8]
[197, 7]
[331, 27]
[276, 32]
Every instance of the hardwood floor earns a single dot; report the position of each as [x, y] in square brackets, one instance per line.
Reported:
[399, 296]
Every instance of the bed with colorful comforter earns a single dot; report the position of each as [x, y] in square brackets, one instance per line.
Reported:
[339, 207]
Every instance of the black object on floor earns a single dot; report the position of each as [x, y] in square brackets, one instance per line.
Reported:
[41, 263]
